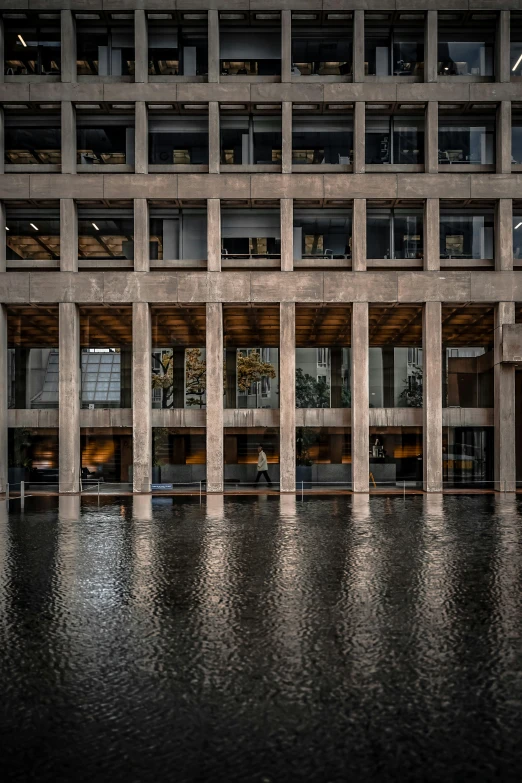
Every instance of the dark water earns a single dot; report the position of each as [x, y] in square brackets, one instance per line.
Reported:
[331, 640]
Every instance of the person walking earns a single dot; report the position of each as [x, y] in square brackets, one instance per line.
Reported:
[262, 466]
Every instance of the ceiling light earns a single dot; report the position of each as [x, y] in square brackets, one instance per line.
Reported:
[518, 225]
[33, 226]
[6, 228]
[513, 68]
[24, 43]
[95, 227]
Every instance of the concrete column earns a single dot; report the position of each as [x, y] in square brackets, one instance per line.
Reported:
[360, 404]
[68, 235]
[141, 47]
[141, 396]
[3, 242]
[286, 132]
[69, 71]
[359, 137]
[214, 235]
[2, 140]
[431, 234]
[504, 375]
[359, 235]
[141, 235]
[213, 46]
[214, 138]
[141, 139]
[68, 138]
[504, 235]
[358, 46]
[287, 396]
[432, 396]
[430, 47]
[502, 48]
[3, 399]
[503, 151]
[287, 234]
[431, 138]
[69, 393]
[214, 354]
[286, 45]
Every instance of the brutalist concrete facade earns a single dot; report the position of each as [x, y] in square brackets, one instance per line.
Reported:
[430, 282]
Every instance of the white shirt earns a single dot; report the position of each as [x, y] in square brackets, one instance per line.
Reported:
[261, 461]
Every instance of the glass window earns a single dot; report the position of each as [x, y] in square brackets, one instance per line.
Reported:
[179, 456]
[516, 57]
[464, 58]
[105, 144]
[252, 377]
[394, 52]
[179, 378]
[32, 50]
[323, 457]
[35, 236]
[396, 457]
[466, 235]
[32, 378]
[178, 142]
[106, 456]
[106, 236]
[323, 54]
[105, 52]
[173, 52]
[244, 52]
[468, 457]
[33, 144]
[241, 454]
[517, 236]
[467, 377]
[397, 140]
[322, 377]
[395, 377]
[327, 235]
[394, 234]
[516, 141]
[466, 141]
[33, 456]
[317, 141]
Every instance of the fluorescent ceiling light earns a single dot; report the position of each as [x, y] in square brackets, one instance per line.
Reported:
[33, 226]
[24, 43]
[6, 228]
[518, 225]
[514, 68]
[95, 226]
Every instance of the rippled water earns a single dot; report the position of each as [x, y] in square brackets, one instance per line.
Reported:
[340, 639]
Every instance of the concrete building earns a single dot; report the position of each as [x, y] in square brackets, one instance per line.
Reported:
[291, 223]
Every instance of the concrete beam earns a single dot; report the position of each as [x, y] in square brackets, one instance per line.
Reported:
[504, 384]
[360, 404]
[214, 395]
[141, 397]
[432, 396]
[69, 391]
[287, 395]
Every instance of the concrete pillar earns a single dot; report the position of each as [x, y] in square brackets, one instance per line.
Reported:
[287, 396]
[141, 397]
[431, 234]
[359, 137]
[286, 132]
[431, 138]
[504, 235]
[68, 138]
[214, 138]
[2, 140]
[214, 354]
[214, 235]
[503, 136]
[214, 68]
[432, 396]
[141, 47]
[360, 404]
[286, 45]
[502, 48]
[68, 235]
[358, 45]
[430, 47]
[287, 234]
[69, 394]
[141, 139]
[504, 375]
[3, 242]
[68, 49]
[141, 235]
[359, 235]
[3, 398]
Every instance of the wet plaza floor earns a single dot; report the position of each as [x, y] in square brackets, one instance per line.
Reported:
[261, 639]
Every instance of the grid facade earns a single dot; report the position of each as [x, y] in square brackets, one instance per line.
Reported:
[76, 181]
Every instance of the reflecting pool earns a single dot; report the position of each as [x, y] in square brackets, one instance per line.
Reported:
[261, 639]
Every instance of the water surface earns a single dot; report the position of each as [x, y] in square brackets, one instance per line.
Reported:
[261, 639]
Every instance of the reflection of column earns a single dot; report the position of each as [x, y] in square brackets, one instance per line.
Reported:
[69, 395]
[213, 46]
[214, 355]
[358, 45]
[287, 396]
[430, 47]
[69, 508]
[141, 47]
[141, 396]
[68, 47]
[287, 234]
[231, 377]
[214, 138]
[504, 374]
[286, 45]
[68, 235]
[286, 137]
[360, 405]
[142, 507]
[213, 235]
[431, 138]
[3, 397]
[432, 396]
[336, 377]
